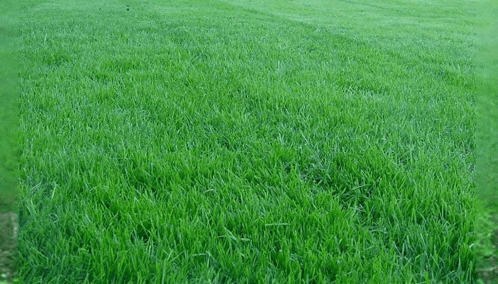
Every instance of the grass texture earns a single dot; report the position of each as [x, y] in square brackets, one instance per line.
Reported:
[487, 147]
[233, 141]
[9, 143]
[9, 108]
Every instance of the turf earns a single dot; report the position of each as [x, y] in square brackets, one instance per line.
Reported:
[9, 144]
[9, 108]
[487, 147]
[247, 141]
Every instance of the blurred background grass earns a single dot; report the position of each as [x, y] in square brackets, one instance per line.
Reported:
[487, 146]
[9, 107]
[487, 112]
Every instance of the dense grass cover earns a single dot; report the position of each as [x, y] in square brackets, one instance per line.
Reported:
[487, 146]
[9, 143]
[247, 141]
[9, 107]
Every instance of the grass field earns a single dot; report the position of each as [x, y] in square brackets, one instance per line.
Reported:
[9, 144]
[9, 108]
[487, 148]
[234, 141]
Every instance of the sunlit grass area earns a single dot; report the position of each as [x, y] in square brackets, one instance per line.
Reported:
[247, 141]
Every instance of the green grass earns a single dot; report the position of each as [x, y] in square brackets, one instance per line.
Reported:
[9, 108]
[247, 141]
[487, 142]
[9, 134]
[9, 143]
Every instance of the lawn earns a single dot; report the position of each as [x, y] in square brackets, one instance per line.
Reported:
[9, 143]
[487, 149]
[236, 141]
